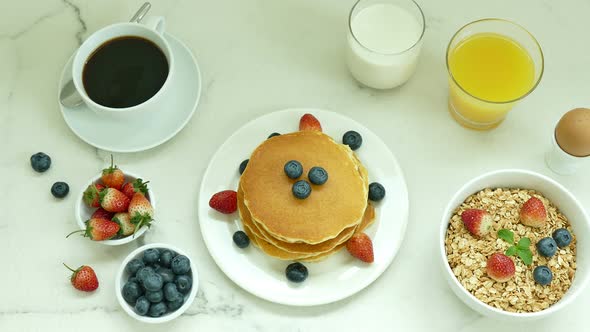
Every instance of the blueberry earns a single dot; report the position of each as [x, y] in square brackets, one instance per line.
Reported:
[133, 278]
[155, 297]
[317, 175]
[151, 256]
[273, 135]
[40, 162]
[353, 139]
[60, 189]
[547, 247]
[562, 237]
[166, 274]
[542, 275]
[174, 305]
[243, 165]
[296, 272]
[301, 189]
[293, 169]
[134, 265]
[166, 257]
[180, 264]
[142, 306]
[157, 309]
[143, 272]
[153, 282]
[376, 192]
[131, 291]
[183, 283]
[171, 293]
[241, 239]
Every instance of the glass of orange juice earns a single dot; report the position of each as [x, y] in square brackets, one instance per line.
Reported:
[492, 64]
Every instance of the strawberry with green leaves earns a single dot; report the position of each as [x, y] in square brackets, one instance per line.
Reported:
[140, 211]
[83, 278]
[112, 176]
[136, 186]
[125, 224]
[112, 200]
[98, 229]
[91, 195]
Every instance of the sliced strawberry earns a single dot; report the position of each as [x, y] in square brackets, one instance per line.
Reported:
[309, 122]
[224, 201]
[500, 267]
[478, 222]
[361, 247]
[533, 213]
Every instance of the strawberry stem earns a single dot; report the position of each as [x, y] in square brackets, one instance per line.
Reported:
[74, 232]
[69, 268]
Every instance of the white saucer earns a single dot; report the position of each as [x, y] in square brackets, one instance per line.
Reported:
[340, 275]
[144, 132]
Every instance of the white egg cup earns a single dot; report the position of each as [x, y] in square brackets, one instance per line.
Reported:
[560, 161]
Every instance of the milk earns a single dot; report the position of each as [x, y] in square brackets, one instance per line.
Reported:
[384, 44]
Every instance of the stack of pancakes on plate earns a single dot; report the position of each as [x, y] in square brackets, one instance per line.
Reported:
[310, 229]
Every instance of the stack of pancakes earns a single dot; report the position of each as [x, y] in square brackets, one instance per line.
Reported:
[310, 229]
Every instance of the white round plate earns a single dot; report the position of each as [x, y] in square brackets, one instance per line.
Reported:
[143, 132]
[334, 278]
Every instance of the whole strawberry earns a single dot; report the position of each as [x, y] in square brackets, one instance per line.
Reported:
[113, 200]
[361, 247]
[91, 195]
[126, 227]
[112, 176]
[140, 211]
[500, 267]
[533, 213]
[136, 186]
[309, 122]
[224, 201]
[99, 229]
[478, 222]
[102, 214]
[83, 278]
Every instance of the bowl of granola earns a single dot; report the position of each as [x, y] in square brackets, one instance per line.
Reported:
[514, 245]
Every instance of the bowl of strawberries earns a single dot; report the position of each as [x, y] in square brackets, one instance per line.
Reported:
[115, 207]
[514, 245]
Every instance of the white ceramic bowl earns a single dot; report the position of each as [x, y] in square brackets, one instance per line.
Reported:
[83, 211]
[122, 277]
[561, 197]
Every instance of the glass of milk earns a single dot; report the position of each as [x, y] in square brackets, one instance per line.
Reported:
[384, 41]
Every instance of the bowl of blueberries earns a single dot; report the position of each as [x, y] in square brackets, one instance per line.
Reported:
[156, 283]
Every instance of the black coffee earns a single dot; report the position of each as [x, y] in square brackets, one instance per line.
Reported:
[125, 72]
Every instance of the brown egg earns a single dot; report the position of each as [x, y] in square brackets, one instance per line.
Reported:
[572, 132]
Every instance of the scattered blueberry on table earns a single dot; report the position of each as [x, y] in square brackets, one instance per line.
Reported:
[40, 162]
[60, 189]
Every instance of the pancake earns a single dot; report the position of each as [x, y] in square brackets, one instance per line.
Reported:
[297, 247]
[331, 208]
[275, 252]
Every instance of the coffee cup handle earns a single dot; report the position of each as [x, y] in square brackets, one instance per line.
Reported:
[156, 23]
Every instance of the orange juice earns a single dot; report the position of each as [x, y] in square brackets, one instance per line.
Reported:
[494, 69]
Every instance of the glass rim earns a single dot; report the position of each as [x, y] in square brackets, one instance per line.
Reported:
[504, 21]
[381, 53]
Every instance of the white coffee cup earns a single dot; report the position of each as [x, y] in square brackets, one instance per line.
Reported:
[152, 29]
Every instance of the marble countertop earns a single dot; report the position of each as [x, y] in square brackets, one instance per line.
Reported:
[258, 56]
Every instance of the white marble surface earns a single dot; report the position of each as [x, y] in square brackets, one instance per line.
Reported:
[258, 56]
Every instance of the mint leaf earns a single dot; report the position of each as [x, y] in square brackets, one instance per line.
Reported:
[526, 255]
[524, 243]
[511, 251]
[506, 235]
